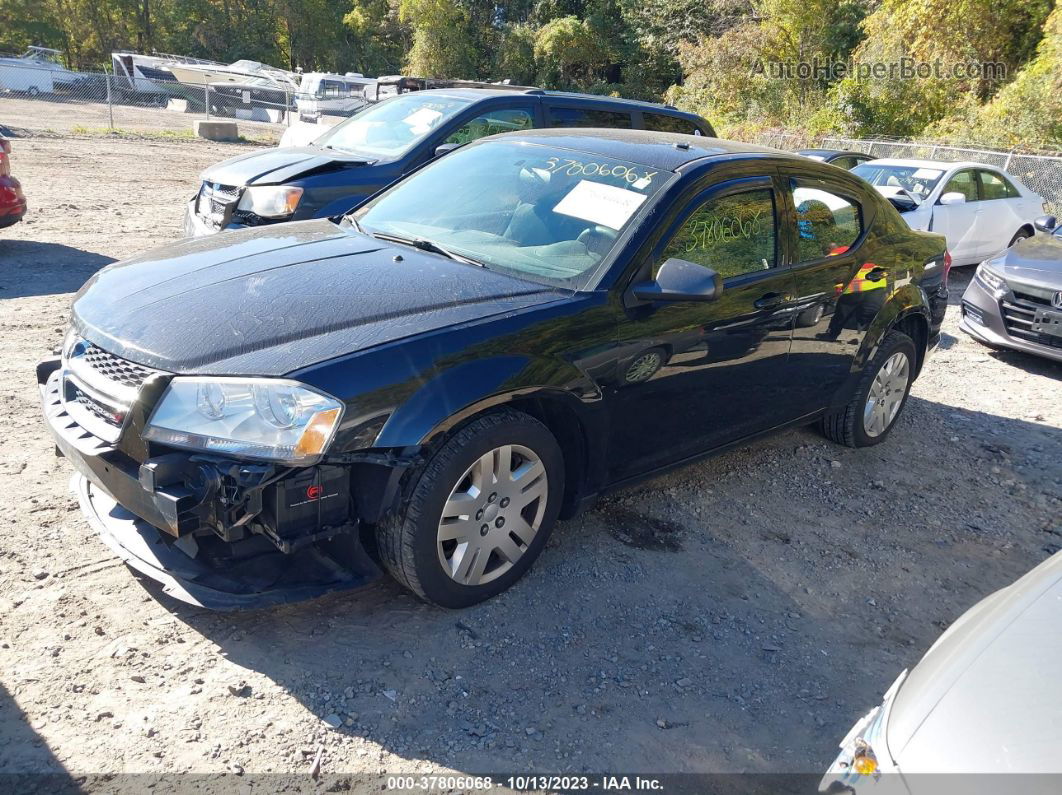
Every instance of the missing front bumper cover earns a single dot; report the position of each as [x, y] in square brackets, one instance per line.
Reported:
[259, 579]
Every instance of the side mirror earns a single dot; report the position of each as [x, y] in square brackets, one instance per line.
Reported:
[681, 280]
[954, 197]
[1046, 223]
[442, 149]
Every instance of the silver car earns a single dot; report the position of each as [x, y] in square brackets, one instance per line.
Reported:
[985, 699]
[1015, 299]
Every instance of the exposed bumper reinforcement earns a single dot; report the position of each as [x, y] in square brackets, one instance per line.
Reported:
[270, 578]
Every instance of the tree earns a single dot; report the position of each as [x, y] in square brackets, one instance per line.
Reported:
[945, 34]
[442, 46]
[515, 58]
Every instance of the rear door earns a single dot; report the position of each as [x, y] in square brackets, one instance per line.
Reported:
[824, 227]
[959, 223]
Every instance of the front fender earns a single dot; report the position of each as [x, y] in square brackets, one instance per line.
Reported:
[473, 386]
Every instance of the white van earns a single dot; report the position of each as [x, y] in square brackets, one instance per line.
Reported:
[324, 94]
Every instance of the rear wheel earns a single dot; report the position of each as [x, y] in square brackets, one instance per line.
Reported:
[878, 398]
[479, 513]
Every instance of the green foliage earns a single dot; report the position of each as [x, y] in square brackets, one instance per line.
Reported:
[1026, 112]
[515, 57]
[716, 57]
[442, 46]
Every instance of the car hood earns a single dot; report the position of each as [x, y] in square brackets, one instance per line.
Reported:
[900, 198]
[276, 166]
[271, 300]
[987, 696]
[1037, 259]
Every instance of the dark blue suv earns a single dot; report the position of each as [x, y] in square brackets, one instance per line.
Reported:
[388, 140]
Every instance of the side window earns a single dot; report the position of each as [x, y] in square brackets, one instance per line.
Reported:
[587, 117]
[994, 186]
[844, 162]
[732, 235]
[827, 224]
[497, 121]
[964, 183]
[661, 122]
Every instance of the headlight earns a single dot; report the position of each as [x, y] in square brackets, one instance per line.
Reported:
[266, 418]
[989, 279]
[270, 201]
[864, 751]
[69, 341]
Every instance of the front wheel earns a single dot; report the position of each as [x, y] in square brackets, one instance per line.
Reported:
[479, 512]
[1021, 234]
[878, 398]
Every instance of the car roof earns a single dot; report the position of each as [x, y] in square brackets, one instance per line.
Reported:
[667, 151]
[595, 99]
[942, 165]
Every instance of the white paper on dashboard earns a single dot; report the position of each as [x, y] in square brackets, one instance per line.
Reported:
[926, 173]
[600, 204]
[422, 120]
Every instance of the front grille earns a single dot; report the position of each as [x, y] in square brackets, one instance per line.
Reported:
[99, 389]
[112, 368]
[1019, 317]
[216, 200]
[1031, 298]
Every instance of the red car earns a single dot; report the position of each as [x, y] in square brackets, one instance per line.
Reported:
[12, 201]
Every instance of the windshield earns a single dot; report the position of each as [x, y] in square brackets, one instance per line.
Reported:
[393, 127]
[543, 213]
[919, 181]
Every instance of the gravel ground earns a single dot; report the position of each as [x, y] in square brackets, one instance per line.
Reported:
[736, 615]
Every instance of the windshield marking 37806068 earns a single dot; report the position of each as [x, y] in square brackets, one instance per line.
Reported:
[543, 213]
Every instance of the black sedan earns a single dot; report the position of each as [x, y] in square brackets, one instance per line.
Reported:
[836, 157]
[424, 386]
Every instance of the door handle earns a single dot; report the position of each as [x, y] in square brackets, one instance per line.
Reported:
[769, 301]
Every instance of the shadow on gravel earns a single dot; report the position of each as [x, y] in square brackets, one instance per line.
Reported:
[809, 576]
[27, 764]
[1034, 365]
[31, 268]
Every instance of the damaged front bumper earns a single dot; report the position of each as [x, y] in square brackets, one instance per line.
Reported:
[174, 518]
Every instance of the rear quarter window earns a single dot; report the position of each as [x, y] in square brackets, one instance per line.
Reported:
[662, 122]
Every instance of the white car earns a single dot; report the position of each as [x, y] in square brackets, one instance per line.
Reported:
[980, 209]
[301, 133]
[985, 699]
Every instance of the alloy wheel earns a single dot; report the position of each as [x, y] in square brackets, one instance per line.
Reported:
[492, 515]
[644, 367]
[886, 394]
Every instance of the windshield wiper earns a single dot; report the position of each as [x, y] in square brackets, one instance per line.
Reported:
[426, 245]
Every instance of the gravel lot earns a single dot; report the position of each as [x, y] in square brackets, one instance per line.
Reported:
[736, 615]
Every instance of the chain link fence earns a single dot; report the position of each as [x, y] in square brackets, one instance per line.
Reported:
[1039, 172]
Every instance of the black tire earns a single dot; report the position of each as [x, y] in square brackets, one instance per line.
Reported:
[846, 425]
[1021, 234]
[408, 539]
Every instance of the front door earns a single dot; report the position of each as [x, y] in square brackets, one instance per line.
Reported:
[959, 223]
[690, 376]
